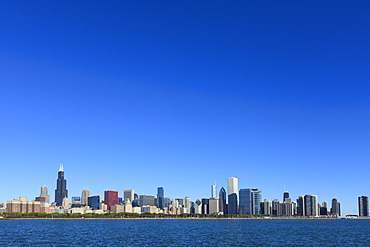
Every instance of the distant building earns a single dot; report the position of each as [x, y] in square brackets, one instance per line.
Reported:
[256, 201]
[76, 199]
[311, 205]
[245, 201]
[213, 206]
[128, 195]
[213, 191]
[198, 207]
[324, 208]
[187, 205]
[222, 200]
[110, 198]
[285, 195]
[266, 207]
[301, 206]
[61, 191]
[84, 196]
[232, 187]
[205, 206]
[25, 206]
[44, 197]
[93, 202]
[275, 207]
[160, 197]
[363, 206]
[335, 207]
[146, 200]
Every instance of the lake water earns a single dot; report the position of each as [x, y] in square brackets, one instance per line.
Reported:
[203, 232]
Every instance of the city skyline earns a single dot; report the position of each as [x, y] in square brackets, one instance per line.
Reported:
[140, 95]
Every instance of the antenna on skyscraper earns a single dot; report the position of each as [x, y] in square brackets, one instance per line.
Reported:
[61, 167]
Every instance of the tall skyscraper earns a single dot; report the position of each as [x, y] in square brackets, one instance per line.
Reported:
[93, 202]
[245, 201]
[301, 210]
[61, 190]
[213, 191]
[84, 196]
[232, 188]
[363, 206]
[110, 198]
[256, 201]
[160, 197]
[311, 205]
[222, 200]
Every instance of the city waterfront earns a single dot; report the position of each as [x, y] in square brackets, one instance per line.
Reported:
[144, 232]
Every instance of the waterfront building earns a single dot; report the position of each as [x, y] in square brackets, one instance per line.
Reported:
[167, 202]
[275, 207]
[245, 201]
[232, 188]
[84, 196]
[65, 203]
[266, 207]
[198, 207]
[160, 197]
[205, 206]
[187, 205]
[213, 206]
[117, 209]
[93, 202]
[146, 200]
[301, 206]
[23, 205]
[61, 191]
[324, 208]
[222, 201]
[213, 191]
[311, 205]
[256, 201]
[128, 206]
[128, 195]
[363, 206]
[180, 202]
[335, 207]
[110, 198]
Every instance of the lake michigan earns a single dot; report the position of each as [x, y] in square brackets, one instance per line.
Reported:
[184, 232]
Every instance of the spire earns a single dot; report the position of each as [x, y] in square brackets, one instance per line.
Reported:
[61, 169]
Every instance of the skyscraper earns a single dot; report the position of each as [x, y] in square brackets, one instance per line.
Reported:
[222, 200]
[84, 196]
[128, 195]
[160, 197]
[335, 208]
[44, 197]
[110, 198]
[232, 187]
[213, 191]
[93, 202]
[245, 201]
[285, 195]
[301, 210]
[363, 206]
[256, 201]
[187, 205]
[311, 205]
[61, 190]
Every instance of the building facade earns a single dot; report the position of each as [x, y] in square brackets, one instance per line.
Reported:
[232, 188]
[61, 191]
[363, 206]
[110, 198]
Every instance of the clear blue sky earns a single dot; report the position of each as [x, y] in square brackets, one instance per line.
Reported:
[141, 94]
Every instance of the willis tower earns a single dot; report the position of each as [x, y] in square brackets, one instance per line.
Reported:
[61, 190]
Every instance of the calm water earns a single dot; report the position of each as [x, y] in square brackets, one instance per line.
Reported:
[184, 232]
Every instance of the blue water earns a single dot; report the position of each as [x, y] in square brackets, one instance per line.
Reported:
[145, 232]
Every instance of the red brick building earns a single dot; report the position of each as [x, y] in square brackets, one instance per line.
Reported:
[110, 198]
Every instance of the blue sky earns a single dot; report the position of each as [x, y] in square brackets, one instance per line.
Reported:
[136, 95]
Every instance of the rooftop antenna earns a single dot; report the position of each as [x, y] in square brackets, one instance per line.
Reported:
[61, 169]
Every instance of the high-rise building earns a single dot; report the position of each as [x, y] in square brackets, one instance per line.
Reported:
[44, 197]
[128, 195]
[363, 206]
[245, 201]
[93, 202]
[222, 201]
[213, 206]
[275, 207]
[232, 188]
[160, 197]
[110, 198]
[285, 195]
[335, 207]
[84, 196]
[187, 205]
[301, 210]
[266, 207]
[198, 207]
[146, 200]
[311, 205]
[61, 191]
[324, 208]
[256, 201]
[213, 191]
[205, 206]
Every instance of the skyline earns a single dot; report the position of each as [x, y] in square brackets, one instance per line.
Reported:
[179, 95]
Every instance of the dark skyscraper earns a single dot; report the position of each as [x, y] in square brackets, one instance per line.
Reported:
[61, 191]
[363, 206]
[335, 207]
[285, 195]
[222, 201]
[160, 197]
